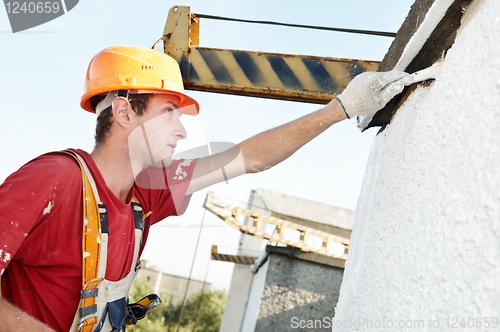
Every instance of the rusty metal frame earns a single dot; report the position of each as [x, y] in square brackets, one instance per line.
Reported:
[232, 215]
[257, 74]
[237, 259]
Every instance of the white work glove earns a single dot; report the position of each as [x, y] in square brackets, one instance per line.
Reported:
[370, 91]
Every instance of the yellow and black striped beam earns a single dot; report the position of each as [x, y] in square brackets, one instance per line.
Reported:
[257, 74]
[247, 260]
[270, 75]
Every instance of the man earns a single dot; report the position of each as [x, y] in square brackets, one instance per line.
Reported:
[138, 97]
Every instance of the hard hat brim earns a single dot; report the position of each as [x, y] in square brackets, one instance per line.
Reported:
[185, 100]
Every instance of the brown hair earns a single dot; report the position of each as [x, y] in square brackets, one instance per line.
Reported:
[139, 103]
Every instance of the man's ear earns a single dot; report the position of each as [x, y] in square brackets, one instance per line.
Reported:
[121, 111]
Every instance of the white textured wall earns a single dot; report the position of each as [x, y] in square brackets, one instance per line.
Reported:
[426, 240]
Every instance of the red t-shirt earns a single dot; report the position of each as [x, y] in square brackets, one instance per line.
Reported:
[41, 230]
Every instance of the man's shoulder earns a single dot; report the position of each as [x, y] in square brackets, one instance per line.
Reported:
[57, 160]
[41, 183]
[53, 165]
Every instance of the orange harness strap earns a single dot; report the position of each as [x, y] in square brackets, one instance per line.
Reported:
[91, 244]
[92, 275]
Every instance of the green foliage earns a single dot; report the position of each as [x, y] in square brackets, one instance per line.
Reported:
[166, 316]
[209, 315]
[154, 320]
[138, 290]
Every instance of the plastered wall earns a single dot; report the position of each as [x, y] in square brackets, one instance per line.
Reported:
[425, 248]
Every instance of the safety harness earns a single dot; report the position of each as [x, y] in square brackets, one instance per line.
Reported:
[103, 303]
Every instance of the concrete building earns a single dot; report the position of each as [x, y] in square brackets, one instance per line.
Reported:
[285, 281]
[289, 291]
[425, 250]
[169, 285]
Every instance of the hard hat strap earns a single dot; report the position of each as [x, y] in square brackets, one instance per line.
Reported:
[106, 102]
[110, 96]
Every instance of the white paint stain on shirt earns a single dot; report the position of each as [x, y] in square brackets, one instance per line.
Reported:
[4, 256]
[179, 173]
[48, 208]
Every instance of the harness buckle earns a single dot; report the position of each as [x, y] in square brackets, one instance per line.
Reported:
[85, 318]
[137, 207]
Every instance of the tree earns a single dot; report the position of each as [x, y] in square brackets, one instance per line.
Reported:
[154, 320]
[208, 313]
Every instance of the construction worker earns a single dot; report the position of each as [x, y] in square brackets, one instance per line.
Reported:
[73, 224]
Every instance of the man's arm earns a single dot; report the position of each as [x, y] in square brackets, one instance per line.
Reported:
[266, 149]
[366, 94]
[273, 146]
[14, 319]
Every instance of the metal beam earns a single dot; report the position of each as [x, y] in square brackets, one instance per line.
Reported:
[238, 259]
[257, 74]
[279, 230]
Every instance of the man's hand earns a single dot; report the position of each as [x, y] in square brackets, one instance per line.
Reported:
[367, 93]
[370, 91]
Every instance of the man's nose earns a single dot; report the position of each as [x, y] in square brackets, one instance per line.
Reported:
[179, 130]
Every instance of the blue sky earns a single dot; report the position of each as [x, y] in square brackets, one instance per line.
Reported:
[41, 80]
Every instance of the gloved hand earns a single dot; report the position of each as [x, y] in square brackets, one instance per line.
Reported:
[370, 91]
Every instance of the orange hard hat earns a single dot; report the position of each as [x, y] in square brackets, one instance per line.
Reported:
[135, 68]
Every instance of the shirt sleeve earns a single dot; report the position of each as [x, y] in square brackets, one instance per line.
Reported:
[26, 196]
[163, 190]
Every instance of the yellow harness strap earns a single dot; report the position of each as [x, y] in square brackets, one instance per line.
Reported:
[91, 245]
